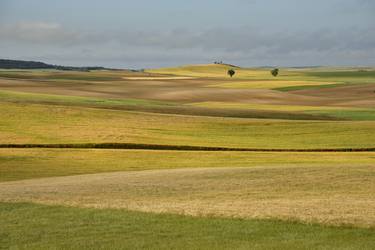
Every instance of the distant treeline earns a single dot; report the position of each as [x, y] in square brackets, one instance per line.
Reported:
[19, 64]
[225, 64]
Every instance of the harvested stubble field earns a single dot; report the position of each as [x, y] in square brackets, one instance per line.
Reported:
[221, 199]
[335, 195]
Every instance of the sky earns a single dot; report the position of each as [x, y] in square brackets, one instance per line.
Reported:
[158, 33]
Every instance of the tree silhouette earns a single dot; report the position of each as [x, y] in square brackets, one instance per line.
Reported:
[231, 72]
[275, 72]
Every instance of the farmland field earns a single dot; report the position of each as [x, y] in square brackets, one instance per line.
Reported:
[188, 199]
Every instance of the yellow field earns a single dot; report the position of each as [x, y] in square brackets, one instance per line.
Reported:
[43, 163]
[199, 105]
[269, 84]
[230, 105]
[330, 195]
[37, 123]
[217, 70]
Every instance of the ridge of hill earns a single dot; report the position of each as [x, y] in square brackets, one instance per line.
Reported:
[21, 64]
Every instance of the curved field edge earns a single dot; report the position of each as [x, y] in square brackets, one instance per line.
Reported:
[152, 106]
[23, 225]
[133, 146]
[326, 194]
[47, 124]
[19, 164]
[341, 113]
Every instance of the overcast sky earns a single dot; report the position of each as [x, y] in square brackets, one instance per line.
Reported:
[156, 33]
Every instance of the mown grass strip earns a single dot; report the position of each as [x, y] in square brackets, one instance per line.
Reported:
[135, 146]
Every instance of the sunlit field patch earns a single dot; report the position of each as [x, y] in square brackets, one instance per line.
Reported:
[339, 112]
[19, 164]
[334, 195]
[37, 123]
[270, 84]
[269, 107]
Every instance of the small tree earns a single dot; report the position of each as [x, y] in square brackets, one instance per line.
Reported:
[231, 72]
[275, 72]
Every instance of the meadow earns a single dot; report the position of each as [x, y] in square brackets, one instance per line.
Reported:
[177, 199]
[116, 229]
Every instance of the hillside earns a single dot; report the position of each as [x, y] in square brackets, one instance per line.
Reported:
[198, 70]
[17, 64]
[20, 64]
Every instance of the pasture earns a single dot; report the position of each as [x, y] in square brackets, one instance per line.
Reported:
[188, 199]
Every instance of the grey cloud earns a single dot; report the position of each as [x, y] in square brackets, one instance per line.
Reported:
[36, 32]
[247, 45]
[45, 33]
[241, 39]
[247, 39]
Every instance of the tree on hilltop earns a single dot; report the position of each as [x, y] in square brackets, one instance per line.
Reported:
[231, 72]
[275, 72]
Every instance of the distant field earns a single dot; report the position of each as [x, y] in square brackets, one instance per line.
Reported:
[329, 111]
[211, 70]
[351, 88]
[152, 106]
[268, 106]
[21, 97]
[273, 84]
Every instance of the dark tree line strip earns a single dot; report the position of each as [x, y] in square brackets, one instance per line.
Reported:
[134, 146]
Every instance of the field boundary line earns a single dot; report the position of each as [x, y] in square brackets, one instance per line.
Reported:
[135, 146]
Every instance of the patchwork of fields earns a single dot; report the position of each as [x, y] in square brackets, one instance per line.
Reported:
[188, 199]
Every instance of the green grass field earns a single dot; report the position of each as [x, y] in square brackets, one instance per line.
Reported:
[45, 227]
[151, 199]
[345, 113]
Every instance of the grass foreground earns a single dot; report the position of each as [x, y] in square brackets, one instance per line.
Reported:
[29, 226]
